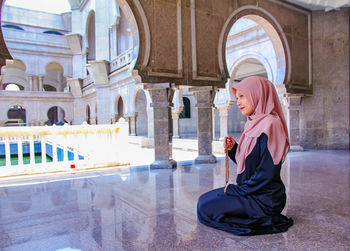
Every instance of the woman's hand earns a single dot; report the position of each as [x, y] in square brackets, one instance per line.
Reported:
[229, 143]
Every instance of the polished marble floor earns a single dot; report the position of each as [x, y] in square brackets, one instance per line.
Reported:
[135, 208]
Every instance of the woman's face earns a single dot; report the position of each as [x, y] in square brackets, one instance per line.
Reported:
[243, 104]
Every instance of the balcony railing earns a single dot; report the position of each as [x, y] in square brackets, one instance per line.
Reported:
[122, 60]
[43, 149]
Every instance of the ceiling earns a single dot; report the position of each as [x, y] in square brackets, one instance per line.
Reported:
[326, 5]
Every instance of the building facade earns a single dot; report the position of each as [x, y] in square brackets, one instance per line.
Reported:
[79, 66]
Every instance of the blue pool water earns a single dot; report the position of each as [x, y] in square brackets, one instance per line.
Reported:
[37, 150]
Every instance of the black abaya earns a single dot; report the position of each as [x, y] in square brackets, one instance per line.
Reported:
[254, 205]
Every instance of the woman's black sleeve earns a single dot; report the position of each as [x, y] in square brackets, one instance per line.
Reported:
[232, 152]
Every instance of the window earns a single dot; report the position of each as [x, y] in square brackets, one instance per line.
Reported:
[13, 27]
[186, 111]
[53, 33]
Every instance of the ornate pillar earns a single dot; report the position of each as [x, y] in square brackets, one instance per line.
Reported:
[162, 96]
[294, 106]
[205, 97]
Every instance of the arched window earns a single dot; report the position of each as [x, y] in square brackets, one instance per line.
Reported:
[53, 33]
[13, 27]
[186, 111]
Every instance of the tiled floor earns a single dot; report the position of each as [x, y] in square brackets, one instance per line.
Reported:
[141, 209]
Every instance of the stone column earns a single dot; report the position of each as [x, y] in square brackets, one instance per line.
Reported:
[176, 125]
[150, 124]
[294, 106]
[30, 83]
[213, 123]
[162, 96]
[223, 112]
[205, 97]
[40, 83]
[100, 75]
[132, 125]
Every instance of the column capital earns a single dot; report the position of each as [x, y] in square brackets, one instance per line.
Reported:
[293, 101]
[204, 96]
[223, 110]
[161, 94]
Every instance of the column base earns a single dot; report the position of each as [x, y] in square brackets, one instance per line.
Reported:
[201, 159]
[296, 148]
[163, 164]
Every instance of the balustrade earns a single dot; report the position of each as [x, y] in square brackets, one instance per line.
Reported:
[122, 60]
[42, 149]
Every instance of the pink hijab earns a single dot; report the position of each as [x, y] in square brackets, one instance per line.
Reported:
[267, 118]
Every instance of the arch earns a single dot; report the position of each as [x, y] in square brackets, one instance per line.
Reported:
[271, 27]
[54, 66]
[56, 115]
[91, 36]
[123, 34]
[118, 108]
[54, 79]
[14, 72]
[186, 111]
[141, 44]
[141, 113]
[15, 63]
[16, 115]
[49, 88]
[13, 87]
[240, 61]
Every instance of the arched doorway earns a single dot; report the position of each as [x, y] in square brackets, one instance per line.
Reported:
[141, 109]
[91, 39]
[55, 115]
[88, 115]
[54, 79]
[249, 67]
[253, 48]
[14, 73]
[119, 109]
[254, 40]
[16, 116]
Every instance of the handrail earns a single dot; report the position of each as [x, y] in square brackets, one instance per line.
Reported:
[78, 146]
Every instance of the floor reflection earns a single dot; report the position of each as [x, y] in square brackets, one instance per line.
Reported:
[141, 209]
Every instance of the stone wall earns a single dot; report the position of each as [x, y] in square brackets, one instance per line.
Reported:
[325, 115]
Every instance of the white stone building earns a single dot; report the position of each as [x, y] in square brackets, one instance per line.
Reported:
[78, 66]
